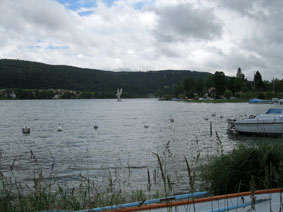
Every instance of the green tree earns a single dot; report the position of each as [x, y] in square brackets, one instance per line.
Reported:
[238, 84]
[178, 90]
[209, 81]
[44, 94]
[85, 95]
[228, 94]
[200, 85]
[258, 84]
[267, 86]
[189, 86]
[277, 85]
[230, 84]
[23, 94]
[220, 82]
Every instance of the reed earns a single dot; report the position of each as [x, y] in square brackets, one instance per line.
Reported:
[232, 172]
[45, 195]
[162, 172]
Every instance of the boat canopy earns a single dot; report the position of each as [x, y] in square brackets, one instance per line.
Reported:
[259, 101]
[274, 111]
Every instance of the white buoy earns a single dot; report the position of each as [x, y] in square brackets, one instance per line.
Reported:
[59, 129]
[26, 130]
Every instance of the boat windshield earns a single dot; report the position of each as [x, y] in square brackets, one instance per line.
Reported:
[274, 111]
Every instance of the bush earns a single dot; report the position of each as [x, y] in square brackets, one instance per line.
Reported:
[244, 95]
[261, 166]
[228, 94]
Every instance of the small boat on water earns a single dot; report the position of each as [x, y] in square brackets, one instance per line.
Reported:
[260, 201]
[270, 122]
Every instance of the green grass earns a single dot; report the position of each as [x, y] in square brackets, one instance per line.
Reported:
[262, 166]
[45, 195]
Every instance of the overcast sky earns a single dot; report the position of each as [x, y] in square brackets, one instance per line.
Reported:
[141, 35]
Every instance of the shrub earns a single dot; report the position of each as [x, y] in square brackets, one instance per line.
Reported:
[228, 94]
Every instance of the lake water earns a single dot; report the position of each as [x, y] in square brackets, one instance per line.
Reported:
[121, 148]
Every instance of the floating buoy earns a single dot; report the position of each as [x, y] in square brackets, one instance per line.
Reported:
[26, 130]
[95, 126]
[146, 126]
[171, 120]
[59, 129]
[206, 119]
[213, 114]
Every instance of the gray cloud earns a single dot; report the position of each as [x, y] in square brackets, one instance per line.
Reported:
[241, 6]
[253, 8]
[265, 41]
[183, 22]
[221, 35]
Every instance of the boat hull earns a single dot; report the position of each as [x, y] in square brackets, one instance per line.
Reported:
[261, 201]
[254, 126]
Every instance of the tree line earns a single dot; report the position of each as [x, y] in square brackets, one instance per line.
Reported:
[19, 93]
[29, 79]
[32, 80]
[218, 85]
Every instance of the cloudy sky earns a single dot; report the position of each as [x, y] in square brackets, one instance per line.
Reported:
[141, 35]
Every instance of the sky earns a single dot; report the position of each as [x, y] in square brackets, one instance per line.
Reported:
[142, 35]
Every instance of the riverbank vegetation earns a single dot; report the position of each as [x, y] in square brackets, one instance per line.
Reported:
[219, 86]
[243, 169]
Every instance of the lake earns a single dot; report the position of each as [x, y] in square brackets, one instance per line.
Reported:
[122, 148]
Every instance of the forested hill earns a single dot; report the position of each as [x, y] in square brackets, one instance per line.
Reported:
[33, 75]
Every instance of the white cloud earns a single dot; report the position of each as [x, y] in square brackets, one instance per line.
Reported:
[147, 35]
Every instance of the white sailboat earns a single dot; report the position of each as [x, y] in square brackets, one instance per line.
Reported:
[118, 94]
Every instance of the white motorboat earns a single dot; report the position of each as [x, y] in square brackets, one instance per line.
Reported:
[270, 122]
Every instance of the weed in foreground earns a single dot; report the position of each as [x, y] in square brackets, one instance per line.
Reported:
[232, 172]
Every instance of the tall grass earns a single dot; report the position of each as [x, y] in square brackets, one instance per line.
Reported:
[244, 169]
[263, 166]
[56, 196]
[46, 194]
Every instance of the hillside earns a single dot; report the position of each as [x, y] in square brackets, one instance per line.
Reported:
[33, 75]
